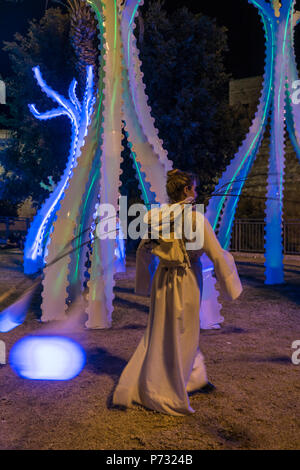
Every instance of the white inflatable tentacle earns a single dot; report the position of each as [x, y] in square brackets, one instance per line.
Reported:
[222, 207]
[101, 282]
[275, 182]
[143, 152]
[86, 215]
[293, 114]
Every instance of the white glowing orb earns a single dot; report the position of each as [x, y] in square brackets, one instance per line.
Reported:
[47, 358]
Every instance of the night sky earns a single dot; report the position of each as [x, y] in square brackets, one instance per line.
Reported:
[245, 34]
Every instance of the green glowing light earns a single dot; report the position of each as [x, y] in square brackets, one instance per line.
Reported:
[282, 63]
[59, 281]
[80, 226]
[129, 32]
[145, 196]
[116, 25]
[265, 26]
[279, 94]
[98, 125]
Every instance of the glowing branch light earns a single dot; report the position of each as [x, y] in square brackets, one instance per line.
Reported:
[79, 115]
[47, 358]
[275, 102]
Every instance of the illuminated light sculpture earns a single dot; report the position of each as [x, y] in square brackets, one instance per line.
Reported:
[47, 358]
[79, 115]
[120, 100]
[7, 323]
[275, 102]
[96, 175]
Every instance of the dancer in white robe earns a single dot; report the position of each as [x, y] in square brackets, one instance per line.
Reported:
[168, 363]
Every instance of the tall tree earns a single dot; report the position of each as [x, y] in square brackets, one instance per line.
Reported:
[39, 149]
[183, 57]
[84, 37]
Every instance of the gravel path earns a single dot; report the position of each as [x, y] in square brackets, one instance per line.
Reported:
[256, 404]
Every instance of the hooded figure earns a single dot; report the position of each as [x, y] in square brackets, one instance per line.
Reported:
[168, 364]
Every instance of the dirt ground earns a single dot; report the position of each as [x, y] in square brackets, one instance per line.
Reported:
[255, 406]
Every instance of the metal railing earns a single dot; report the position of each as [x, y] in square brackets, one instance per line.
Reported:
[248, 236]
[5, 134]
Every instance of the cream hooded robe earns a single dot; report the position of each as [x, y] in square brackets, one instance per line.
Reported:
[167, 363]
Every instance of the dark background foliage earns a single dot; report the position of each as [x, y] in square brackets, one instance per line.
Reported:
[183, 58]
[38, 148]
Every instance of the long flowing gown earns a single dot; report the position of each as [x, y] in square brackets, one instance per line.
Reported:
[168, 363]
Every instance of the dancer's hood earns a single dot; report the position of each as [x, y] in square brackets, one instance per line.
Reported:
[166, 219]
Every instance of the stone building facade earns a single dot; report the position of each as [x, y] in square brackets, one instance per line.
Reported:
[246, 92]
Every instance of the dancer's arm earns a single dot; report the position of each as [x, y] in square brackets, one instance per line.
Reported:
[145, 268]
[224, 264]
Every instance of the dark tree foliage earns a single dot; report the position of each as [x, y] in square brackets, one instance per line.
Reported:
[187, 85]
[84, 38]
[39, 148]
[183, 58]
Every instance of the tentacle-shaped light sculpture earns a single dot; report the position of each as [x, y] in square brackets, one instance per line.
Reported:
[275, 102]
[95, 178]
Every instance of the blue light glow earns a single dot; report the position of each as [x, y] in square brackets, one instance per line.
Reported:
[47, 358]
[120, 253]
[15, 314]
[7, 324]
